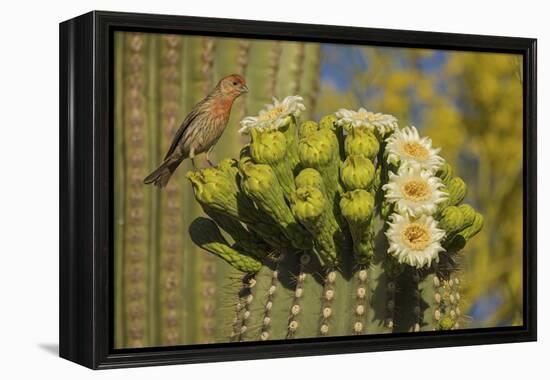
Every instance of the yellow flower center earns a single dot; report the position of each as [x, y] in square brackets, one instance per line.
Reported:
[416, 236]
[272, 113]
[416, 190]
[416, 150]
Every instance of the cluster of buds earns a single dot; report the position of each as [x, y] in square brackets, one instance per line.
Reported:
[328, 190]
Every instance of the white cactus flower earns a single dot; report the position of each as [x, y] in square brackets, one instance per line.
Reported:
[275, 115]
[416, 242]
[374, 121]
[414, 191]
[405, 147]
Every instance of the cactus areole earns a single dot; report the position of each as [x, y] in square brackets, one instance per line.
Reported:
[350, 225]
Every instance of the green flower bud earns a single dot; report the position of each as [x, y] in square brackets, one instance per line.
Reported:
[457, 191]
[257, 178]
[205, 233]
[289, 130]
[468, 214]
[361, 141]
[308, 203]
[357, 172]
[267, 146]
[309, 177]
[320, 151]
[260, 184]
[215, 187]
[329, 122]
[317, 150]
[461, 238]
[445, 172]
[228, 165]
[244, 160]
[218, 189]
[310, 207]
[357, 207]
[312, 178]
[452, 219]
[474, 228]
[307, 128]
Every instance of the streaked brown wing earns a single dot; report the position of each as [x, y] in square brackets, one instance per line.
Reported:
[195, 112]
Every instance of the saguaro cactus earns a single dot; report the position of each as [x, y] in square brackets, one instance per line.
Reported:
[347, 226]
[167, 291]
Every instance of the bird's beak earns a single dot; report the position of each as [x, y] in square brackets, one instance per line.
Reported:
[244, 88]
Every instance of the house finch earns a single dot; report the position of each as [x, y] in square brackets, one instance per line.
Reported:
[201, 129]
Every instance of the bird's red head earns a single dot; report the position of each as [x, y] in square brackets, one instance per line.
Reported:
[233, 85]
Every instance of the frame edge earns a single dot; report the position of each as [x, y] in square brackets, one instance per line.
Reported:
[76, 252]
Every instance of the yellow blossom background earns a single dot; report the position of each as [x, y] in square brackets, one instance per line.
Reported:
[470, 104]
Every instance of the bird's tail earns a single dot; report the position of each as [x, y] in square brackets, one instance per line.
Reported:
[161, 175]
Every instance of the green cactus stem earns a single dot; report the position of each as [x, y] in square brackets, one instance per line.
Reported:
[205, 234]
[357, 207]
[441, 290]
[168, 273]
[136, 257]
[260, 184]
[361, 304]
[244, 239]
[279, 298]
[306, 304]
[309, 205]
[240, 323]
[267, 311]
[432, 292]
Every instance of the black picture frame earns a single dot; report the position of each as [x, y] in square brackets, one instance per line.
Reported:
[86, 189]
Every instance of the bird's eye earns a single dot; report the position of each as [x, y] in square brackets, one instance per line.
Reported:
[234, 83]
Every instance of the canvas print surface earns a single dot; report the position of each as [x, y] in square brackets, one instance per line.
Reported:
[269, 190]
